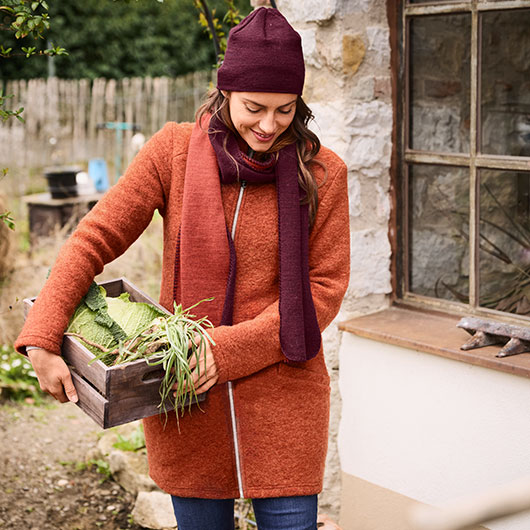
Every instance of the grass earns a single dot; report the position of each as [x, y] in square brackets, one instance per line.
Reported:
[100, 466]
[134, 442]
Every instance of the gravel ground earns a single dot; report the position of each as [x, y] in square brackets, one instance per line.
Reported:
[45, 482]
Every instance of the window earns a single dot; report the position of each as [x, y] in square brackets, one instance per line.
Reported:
[464, 197]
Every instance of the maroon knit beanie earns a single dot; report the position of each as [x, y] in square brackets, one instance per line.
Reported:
[263, 54]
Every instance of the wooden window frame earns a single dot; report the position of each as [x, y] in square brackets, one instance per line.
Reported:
[399, 13]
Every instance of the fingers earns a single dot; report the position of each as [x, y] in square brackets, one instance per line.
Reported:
[203, 369]
[53, 375]
[206, 386]
[69, 389]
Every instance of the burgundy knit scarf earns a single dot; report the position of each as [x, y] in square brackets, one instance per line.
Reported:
[206, 257]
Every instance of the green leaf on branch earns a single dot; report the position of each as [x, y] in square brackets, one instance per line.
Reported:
[6, 218]
[55, 51]
[29, 51]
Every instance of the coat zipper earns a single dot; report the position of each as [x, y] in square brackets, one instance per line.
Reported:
[229, 384]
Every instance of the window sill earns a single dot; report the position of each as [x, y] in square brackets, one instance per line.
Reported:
[434, 333]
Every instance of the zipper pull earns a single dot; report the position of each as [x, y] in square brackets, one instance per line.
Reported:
[243, 184]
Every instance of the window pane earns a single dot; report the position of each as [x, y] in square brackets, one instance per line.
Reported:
[505, 82]
[439, 83]
[438, 231]
[505, 241]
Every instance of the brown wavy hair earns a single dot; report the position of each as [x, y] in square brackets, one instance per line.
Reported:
[307, 142]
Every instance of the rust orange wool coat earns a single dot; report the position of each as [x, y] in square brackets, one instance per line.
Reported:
[281, 408]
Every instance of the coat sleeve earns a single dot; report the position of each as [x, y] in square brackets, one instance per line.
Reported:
[104, 233]
[252, 345]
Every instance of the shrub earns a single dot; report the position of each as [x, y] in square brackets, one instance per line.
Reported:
[18, 381]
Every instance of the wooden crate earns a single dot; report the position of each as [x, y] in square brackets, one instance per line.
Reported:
[118, 394]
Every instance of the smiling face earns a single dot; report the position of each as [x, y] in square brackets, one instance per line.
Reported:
[261, 117]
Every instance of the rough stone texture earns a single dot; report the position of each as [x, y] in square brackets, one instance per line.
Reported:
[382, 88]
[153, 509]
[128, 468]
[370, 264]
[378, 39]
[310, 47]
[353, 52]
[309, 10]
[354, 190]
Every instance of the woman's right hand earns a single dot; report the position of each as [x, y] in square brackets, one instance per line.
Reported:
[53, 375]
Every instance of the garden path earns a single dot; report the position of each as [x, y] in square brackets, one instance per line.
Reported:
[45, 482]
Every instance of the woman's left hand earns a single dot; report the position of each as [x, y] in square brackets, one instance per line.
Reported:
[204, 370]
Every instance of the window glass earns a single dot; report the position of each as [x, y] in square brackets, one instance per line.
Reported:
[504, 259]
[438, 231]
[505, 82]
[439, 75]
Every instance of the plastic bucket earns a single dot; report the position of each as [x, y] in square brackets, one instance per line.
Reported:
[97, 169]
[62, 181]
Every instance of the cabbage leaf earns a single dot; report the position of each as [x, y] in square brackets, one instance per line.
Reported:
[107, 321]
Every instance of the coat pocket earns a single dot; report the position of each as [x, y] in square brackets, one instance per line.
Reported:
[302, 373]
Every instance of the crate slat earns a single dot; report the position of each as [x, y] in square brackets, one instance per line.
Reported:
[91, 402]
[113, 395]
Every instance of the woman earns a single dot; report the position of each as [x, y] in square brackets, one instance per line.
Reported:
[255, 215]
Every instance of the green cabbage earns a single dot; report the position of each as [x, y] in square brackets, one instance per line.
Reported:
[107, 321]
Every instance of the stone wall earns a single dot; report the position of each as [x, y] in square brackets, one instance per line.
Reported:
[348, 87]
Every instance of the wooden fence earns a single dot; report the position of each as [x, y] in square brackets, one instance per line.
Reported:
[62, 117]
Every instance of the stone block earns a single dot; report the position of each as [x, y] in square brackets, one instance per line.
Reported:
[382, 208]
[357, 6]
[309, 45]
[329, 125]
[353, 52]
[382, 87]
[308, 10]
[371, 172]
[369, 128]
[366, 151]
[370, 118]
[153, 509]
[379, 44]
[331, 341]
[364, 89]
[370, 265]
[354, 193]
[129, 469]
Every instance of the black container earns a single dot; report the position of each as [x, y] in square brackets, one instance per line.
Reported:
[62, 181]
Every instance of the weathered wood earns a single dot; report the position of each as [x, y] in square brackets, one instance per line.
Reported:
[117, 394]
[90, 400]
[48, 215]
[514, 347]
[480, 340]
[472, 324]
[515, 338]
[68, 111]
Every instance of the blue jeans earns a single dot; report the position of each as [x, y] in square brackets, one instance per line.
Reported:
[275, 513]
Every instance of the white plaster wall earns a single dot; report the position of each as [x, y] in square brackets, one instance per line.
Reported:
[431, 428]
